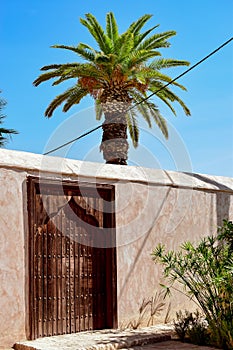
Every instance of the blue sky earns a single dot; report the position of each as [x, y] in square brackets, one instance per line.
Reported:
[202, 143]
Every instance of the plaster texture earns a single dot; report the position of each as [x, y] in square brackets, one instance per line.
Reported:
[151, 206]
[170, 217]
[12, 257]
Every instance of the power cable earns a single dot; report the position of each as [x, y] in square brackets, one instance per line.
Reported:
[146, 98]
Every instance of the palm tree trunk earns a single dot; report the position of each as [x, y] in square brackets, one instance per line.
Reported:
[114, 143]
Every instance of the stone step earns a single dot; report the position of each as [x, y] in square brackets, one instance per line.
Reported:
[99, 340]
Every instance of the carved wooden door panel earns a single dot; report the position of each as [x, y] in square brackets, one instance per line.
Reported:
[72, 283]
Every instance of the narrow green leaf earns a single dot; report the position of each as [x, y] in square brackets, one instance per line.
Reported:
[112, 28]
[136, 26]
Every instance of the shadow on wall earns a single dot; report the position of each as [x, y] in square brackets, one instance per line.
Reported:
[223, 198]
[143, 244]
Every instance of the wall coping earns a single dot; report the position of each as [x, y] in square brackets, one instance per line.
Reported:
[31, 162]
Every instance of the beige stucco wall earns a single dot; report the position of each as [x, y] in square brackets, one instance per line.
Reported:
[12, 257]
[172, 216]
[152, 206]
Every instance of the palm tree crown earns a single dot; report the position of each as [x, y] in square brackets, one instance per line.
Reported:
[122, 71]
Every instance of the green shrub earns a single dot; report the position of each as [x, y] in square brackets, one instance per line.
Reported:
[198, 332]
[192, 327]
[205, 273]
[182, 323]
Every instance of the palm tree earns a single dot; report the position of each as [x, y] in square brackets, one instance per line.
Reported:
[6, 132]
[121, 72]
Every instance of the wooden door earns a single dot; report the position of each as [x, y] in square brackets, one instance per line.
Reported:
[72, 283]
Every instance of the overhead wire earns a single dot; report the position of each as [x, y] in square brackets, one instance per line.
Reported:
[146, 98]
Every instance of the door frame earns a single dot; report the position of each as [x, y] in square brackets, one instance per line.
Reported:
[107, 192]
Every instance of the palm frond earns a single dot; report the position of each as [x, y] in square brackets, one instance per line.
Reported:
[5, 133]
[159, 120]
[145, 112]
[8, 131]
[136, 26]
[155, 76]
[97, 32]
[86, 47]
[57, 66]
[3, 140]
[149, 110]
[58, 101]
[90, 70]
[124, 45]
[45, 77]
[63, 78]
[86, 54]
[66, 47]
[101, 59]
[140, 56]
[112, 28]
[141, 106]
[162, 63]
[75, 70]
[136, 95]
[75, 97]
[140, 37]
[133, 127]
[156, 41]
[170, 95]
[174, 97]
[98, 110]
[162, 98]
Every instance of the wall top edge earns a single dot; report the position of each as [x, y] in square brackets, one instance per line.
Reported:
[28, 162]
